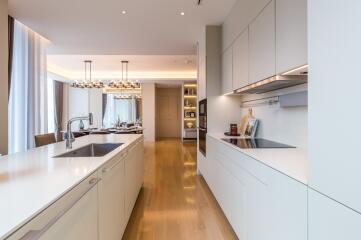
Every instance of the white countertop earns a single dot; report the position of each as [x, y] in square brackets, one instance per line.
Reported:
[31, 181]
[292, 162]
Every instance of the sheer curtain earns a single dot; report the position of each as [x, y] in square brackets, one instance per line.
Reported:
[28, 92]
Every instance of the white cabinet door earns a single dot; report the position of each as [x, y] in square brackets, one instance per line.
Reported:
[330, 220]
[72, 217]
[111, 199]
[262, 44]
[201, 64]
[240, 61]
[131, 179]
[334, 164]
[291, 34]
[231, 194]
[259, 202]
[140, 164]
[227, 74]
[287, 201]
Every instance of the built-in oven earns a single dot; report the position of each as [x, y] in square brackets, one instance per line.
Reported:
[202, 128]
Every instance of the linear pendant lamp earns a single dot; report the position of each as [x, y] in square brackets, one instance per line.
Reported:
[125, 83]
[88, 82]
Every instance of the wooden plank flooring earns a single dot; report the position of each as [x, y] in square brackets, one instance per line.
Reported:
[175, 203]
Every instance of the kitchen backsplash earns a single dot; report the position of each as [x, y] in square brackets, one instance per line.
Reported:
[287, 125]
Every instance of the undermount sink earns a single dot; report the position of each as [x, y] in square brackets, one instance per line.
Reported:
[91, 150]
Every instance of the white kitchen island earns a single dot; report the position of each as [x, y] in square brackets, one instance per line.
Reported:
[70, 198]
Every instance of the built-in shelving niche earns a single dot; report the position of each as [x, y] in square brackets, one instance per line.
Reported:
[189, 116]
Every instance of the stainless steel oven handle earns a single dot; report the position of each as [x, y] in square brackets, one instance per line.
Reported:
[37, 234]
[202, 129]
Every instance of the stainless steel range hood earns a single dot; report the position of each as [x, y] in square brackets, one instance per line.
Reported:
[273, 83]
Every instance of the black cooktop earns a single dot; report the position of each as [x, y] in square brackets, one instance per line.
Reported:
[255, 143]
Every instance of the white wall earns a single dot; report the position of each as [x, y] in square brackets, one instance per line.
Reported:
[221, 111]
[286, 125]
[3, 76]
[148, 108]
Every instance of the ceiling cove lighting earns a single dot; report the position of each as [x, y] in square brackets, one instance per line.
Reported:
[88, 82]
[125, 83]
[190, 85]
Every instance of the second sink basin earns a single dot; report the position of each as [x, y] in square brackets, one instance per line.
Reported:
[92, 150]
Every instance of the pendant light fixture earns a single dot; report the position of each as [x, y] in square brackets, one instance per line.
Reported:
[125, 83]
[88, 82]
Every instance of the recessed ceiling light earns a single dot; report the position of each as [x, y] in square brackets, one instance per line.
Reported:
[182, 13]
[124, 12]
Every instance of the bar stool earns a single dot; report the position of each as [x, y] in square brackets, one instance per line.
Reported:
[44, 139]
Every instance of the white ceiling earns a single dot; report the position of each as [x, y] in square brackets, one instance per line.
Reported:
[97, 27]
[141, 67]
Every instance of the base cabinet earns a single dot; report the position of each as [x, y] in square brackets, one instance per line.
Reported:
[73, 217]
[330, 220]
[132, 176]
[111, 189]
[259, 202]
[97, 208]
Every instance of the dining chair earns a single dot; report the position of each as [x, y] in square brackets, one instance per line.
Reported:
[44, 139]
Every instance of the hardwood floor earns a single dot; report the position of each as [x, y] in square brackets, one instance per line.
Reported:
[175, 203]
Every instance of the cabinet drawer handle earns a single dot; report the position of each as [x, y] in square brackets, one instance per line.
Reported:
[37, 234]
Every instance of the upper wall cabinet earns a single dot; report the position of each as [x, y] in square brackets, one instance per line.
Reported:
[291, 34]
[240, 61]
[227, 75]
[262, 44]
[242, 13]
[201, 63]
[209, 62]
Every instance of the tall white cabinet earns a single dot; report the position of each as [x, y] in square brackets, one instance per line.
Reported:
[262, 45]
[335, 166]
[330, 220]
[334, 153]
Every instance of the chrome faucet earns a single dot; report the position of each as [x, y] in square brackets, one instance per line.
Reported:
[69, 137]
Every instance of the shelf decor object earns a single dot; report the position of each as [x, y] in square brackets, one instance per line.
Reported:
[88, 82]
[125, 83]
